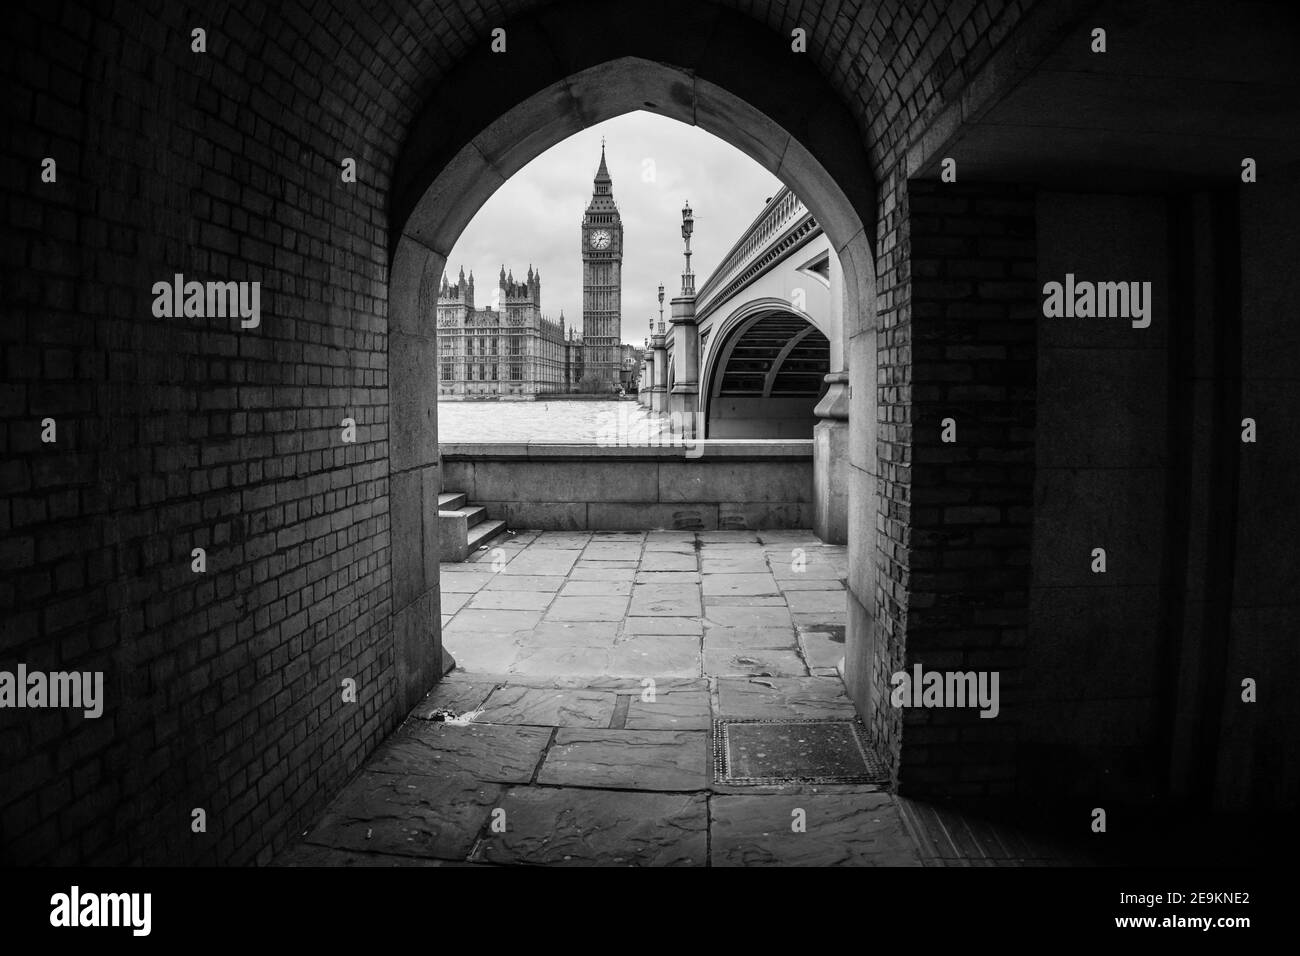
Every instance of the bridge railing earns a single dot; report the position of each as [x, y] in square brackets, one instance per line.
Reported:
[783, 211]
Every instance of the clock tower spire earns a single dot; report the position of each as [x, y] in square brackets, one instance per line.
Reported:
[602, 280]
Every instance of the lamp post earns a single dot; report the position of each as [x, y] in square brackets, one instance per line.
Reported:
[688, 227]
[661, 309]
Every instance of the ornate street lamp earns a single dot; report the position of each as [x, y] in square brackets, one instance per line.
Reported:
[688, 227]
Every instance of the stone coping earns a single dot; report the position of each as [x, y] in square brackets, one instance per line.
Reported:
[734, 449]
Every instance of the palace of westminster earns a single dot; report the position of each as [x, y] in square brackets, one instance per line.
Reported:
[514, 351]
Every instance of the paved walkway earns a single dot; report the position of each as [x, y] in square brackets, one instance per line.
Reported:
[561, 751]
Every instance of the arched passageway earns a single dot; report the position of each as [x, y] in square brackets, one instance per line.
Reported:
[222, 687]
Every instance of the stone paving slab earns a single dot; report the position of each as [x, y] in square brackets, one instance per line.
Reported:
[749, 600]
[408, 814]
[822, 648]
[602, 574]
[459, 696]
[596, 588]
[733, 564]
[680, 710]
[656, 655]
[621, 686]
[571, 660]
[754, 662]
[308, 854]
[547, 561]
[665, 600]
[691, 626]
[474, 621]
[789, 697]
[515, 704]
[669, 561]
[738, 615]
[562, 826]
[481, 655]
[628, 686]
[817, 602]
[669, 546]
[812, 567]
[608, 551]
[741, 584]
[820, 621]
[493, 558]
[453, 601]
[842, 829]
[565, 540]
[810, 584]
[731, 640]
[511, 600]
[668, 577]
[492, 754]
[570, 634]
[628, 760]
[466, 581]
[779, 536]
[588, 608]
[525, 582]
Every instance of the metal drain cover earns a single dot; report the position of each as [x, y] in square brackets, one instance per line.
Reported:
[766, 752]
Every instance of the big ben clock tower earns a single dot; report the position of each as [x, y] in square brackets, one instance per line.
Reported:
[602, 281]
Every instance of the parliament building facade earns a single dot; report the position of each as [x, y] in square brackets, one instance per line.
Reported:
[513, 351]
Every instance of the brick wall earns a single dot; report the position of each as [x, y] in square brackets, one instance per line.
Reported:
[957, 341]
[222, 689]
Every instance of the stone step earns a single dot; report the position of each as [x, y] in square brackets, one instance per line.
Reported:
[474, 514]
[484, 532]
[462, 527]
[451, 500]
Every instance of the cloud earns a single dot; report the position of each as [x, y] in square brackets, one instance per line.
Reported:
[657, 165]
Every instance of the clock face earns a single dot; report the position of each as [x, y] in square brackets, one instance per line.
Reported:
[600, 239]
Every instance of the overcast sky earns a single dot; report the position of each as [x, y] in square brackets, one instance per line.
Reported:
[657, 164]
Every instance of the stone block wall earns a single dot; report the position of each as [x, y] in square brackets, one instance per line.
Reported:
[730, 485]
[1103, 480]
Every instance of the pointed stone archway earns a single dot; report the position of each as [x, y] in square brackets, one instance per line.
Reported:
[792, 123]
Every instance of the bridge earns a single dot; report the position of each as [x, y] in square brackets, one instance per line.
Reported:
[757, 351]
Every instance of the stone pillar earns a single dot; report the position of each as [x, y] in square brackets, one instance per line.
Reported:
[659, 393]
[831, 458]
[645, 381]
[684, 400]
[831, 462]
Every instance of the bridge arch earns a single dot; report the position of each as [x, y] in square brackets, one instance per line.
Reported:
[776, 356]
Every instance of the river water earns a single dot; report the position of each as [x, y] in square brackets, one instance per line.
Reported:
[596, 422]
